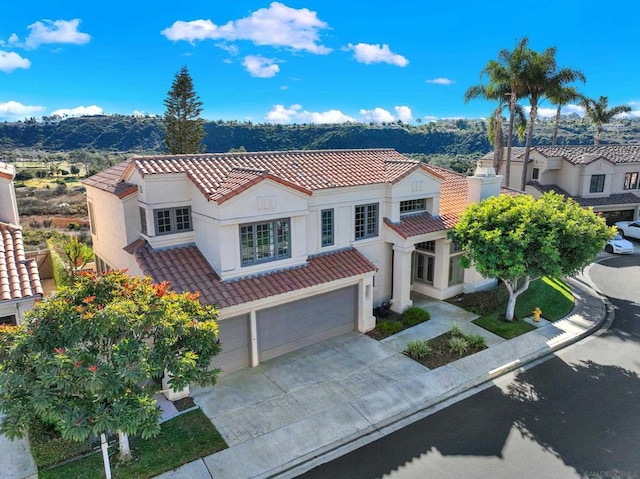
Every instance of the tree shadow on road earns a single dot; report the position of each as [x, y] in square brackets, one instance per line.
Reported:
[559, 406]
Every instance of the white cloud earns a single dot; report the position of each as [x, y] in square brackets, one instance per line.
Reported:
[277, 26]
[404, 113]
[295, 114]
[377, 115]
[12, 111]
[551, 111]
[260, 67]
[58, 31]
[366, 53]
[9, 61]
[284, 87]
[441, 81]
[13, 39]
[79, 111]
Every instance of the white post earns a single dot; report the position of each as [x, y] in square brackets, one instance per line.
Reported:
[401, 295]
[105, 455]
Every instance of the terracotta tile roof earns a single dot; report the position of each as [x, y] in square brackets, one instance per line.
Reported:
[187, 270]
[454, 194]
[416, 225]
[582, 154]
[110, 180]
[7, 171]
[221, 174]
[19, 276]
[614, 199]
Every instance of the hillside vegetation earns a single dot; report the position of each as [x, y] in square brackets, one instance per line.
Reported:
[120, 133]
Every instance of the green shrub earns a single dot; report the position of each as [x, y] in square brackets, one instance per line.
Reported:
[476, 341]
[458, 344]
[389, 327]
[73, 225]
[455, 330]
[48, 447]
[415, 315]
[417, 349]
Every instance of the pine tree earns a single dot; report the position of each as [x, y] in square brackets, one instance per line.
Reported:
[184, 129]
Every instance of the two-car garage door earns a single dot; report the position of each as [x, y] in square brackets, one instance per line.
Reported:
[287, 327]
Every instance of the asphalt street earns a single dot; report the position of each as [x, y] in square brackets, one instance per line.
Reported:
[575, 415]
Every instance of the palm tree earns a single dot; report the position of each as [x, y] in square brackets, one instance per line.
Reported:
[561, 97]
[497, 92]
[508, 69]
[496, 137]
[542, 78]
[598, 114]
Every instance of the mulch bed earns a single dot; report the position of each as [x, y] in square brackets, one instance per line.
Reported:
[184, 403]
[441, 354]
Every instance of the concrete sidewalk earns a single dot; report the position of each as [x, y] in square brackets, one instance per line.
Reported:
[299, 410]
[306, 407]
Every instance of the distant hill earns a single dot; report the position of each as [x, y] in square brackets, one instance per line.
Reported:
[120, 133]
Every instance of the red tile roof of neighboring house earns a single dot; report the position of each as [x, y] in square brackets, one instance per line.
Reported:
[581, 154]
[613, 199]
[187, 270]
[19, 276]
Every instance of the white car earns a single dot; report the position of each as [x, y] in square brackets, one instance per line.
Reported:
[629, 228]
[619, 245]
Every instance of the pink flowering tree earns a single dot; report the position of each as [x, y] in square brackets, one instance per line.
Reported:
[85, 359]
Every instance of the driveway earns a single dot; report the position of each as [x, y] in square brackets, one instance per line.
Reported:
[300, 386]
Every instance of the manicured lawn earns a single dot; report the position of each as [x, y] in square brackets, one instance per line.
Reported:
[493, 323]
[552, 296]
[183, 439]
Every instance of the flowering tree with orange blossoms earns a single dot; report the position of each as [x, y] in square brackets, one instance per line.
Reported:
[85, 358]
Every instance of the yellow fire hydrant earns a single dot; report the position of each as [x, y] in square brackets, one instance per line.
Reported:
[536, 314]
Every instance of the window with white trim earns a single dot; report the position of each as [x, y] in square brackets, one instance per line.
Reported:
[92, 220]
[172, 220]
[456, 271]
[424, 262]
[597, 184]
[143, 221]
[326, 227]
[265, 241]
[413, 206]
[631, 180]
[366, 221]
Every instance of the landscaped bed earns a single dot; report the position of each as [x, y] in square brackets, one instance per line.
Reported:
[392, 323]
[446, 348]
[183, 439]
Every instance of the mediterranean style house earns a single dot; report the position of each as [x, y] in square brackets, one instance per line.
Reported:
[293, 247]
[604, 177]
[20, 284]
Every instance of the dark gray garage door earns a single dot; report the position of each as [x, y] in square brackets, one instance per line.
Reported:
[614, 216]
[234, 336]
[297, 324]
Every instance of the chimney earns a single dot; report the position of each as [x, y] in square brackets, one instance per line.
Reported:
[483, 183]
[8, 205]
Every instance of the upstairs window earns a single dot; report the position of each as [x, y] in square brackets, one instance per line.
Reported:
[366, 221]
[143, 221]
[267, 241]
[631, 181]
[535, 173]
[326, 226]
[413, 206]
[92, 219]
[172, 220]
[597, 184]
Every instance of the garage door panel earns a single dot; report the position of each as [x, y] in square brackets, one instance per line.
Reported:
[300, 323]
[233, 334]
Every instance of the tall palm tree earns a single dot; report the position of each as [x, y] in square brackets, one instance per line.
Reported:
[508, 68]
[541, 78]
[562, 96]
[496, 137]
[598, 114]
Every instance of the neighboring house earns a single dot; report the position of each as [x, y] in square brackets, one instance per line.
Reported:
[604, 177]
[294, 247]
[20, 283]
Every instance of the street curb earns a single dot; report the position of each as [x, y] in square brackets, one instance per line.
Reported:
[369, 434]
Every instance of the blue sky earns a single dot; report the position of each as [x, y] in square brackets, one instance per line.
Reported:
[299, 61]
